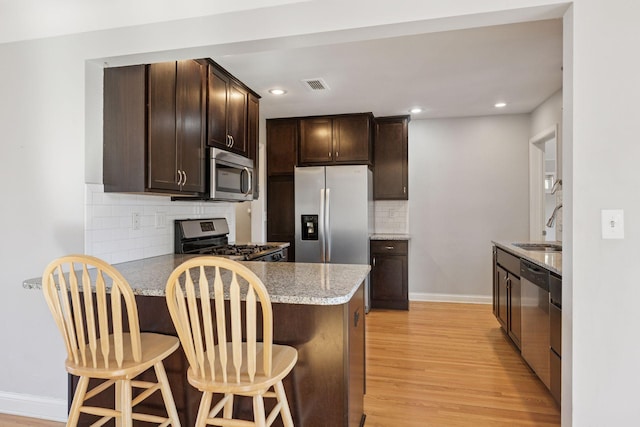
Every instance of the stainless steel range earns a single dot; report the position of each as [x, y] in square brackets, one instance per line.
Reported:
[210, 236]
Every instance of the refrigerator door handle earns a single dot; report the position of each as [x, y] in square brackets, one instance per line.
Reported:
[327, 227]
[321, 226]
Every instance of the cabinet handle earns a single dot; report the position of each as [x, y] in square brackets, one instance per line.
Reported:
[337, 154]
[330, 154]
[184, 182]
[374, 261]
[233, 141]
[179, 177]
[508, 283]
[356, 317]
[389, 248]
[404, 190]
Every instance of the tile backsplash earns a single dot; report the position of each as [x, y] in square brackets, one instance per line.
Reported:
[391, 216]
[109, 223]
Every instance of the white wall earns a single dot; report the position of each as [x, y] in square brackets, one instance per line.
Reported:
[42, 109]
[468, 182]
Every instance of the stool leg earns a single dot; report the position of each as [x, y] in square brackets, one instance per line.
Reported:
[228, 407]
[167, 395]
[125, 403]
[284, 408]
[78, 400]
[258, 411]
[203, 411]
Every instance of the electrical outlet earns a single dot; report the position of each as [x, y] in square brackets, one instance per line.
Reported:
[161, 220]
[612, 224]
[135, 220]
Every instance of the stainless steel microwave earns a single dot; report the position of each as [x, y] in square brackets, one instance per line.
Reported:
[231, 176]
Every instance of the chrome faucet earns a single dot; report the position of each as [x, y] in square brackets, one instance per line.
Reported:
[553, 215]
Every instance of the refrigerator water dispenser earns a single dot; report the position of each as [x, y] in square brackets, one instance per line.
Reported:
[309, 227]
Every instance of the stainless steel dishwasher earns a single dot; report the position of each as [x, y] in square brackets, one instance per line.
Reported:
[535, 319]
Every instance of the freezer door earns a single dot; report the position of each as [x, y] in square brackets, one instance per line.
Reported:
[347, 217]
[309, 201]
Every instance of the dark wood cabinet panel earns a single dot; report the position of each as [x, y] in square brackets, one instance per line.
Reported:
[340, 139]
[325, 388]
[154, 128]
[124, 129]
[316, 140]
[507, 293]
[390, 172]
[281, 211]
[227, 112]
[389, 274]
[217, 92]
[352, 139]
[190, 124]
[161, 143]
[282, 140]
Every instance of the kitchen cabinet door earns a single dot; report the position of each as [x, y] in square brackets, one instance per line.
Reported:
[502, 301]
[389, 274]
[390, 153]
[190, 124]
[161, 144]
[282, 140]
[316, 140]
[227, 112]
[515, 310]
[352, 139]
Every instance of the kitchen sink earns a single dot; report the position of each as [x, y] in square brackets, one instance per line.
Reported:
[540, 247]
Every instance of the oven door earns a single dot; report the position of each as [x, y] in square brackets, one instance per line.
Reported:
[231, 176]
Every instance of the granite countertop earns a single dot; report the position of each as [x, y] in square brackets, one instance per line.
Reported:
[552, 261]
[389, 236]
[286, 282]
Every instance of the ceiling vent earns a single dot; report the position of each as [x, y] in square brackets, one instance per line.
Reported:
[315, 84]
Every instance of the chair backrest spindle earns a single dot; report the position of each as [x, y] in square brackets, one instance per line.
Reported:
[84, 319]
[232, 284]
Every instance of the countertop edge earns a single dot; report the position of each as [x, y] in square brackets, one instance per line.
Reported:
[389, 236]
[529, 256]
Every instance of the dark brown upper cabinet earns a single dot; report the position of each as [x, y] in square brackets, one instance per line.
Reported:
[282, 140]
[155, 128]
[390, 171]
[340, 139]
[227, 112]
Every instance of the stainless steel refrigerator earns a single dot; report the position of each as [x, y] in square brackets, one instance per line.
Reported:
[334, 215]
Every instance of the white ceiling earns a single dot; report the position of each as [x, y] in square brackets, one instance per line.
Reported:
[449, 73]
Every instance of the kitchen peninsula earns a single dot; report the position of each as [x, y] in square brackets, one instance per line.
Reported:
[317, 308]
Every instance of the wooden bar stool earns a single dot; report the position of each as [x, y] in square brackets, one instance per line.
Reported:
[235, 365]
[99, 346]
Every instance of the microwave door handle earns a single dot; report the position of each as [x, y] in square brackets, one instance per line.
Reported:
[249, 180]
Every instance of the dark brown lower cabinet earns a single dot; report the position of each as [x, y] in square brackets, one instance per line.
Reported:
[389, 274]
[325, 388]
[507, 293]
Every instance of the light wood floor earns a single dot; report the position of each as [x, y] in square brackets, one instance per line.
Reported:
[445, 364]
[438, 364]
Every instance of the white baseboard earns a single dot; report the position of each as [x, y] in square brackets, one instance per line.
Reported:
[28, 405]
[469, 299]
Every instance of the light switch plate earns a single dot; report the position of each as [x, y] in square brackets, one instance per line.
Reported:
[612, 224]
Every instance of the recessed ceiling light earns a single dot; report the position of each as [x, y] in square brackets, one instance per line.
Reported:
[277, 91]
[500, 104]
[415, 110]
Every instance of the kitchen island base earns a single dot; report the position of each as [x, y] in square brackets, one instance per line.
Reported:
[325, 388]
